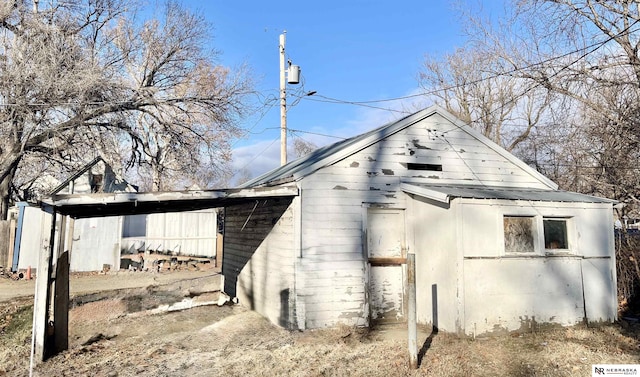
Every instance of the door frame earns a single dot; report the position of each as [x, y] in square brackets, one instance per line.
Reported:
[401, 261]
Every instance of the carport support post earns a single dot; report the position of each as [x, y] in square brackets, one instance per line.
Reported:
[51, 301]
[43, 291]
[411, 308]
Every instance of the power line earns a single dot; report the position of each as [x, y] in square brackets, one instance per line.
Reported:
[597, 46]
[315, 133]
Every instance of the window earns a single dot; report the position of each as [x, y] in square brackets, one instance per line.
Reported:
[96, 183]
[555, 233]
[519, 234]
[536, 235]
[429, 167]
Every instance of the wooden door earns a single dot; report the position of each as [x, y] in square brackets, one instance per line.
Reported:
[386, 258]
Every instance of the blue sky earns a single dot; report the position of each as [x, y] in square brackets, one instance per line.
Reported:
[349, 50]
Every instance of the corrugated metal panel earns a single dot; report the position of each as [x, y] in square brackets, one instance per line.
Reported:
[182, 233]
[445, 193]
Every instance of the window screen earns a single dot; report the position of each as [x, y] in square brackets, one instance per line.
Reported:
[518, 234]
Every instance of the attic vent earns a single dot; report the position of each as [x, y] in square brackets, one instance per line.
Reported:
[429, 167]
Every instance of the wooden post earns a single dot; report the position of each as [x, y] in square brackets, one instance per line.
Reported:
[51, 324]
[12, 242]
[219, 251]
[411, 304]
[61, 305]
[43, 291]
[60, 341]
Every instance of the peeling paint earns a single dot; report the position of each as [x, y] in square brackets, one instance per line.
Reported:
[371, 159]
[356, 314]
[415, 144]
[462, 150]
[433, 177]
[387, 172]
[354, 164]
[372, 174]
[371, 188]
[338, 187]
[390, 196]
[411, 152]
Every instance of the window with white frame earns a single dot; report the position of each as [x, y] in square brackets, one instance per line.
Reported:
[535, 234]
[555, 233]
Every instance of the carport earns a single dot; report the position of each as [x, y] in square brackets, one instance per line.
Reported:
[51, 302]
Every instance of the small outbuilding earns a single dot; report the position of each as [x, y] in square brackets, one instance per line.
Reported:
[497, 246]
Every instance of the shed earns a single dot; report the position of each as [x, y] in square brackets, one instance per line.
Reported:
[96, 241]
[497, 246]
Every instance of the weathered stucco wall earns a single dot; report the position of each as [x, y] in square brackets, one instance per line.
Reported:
[482, 289]
[259, 257]
[438, 264]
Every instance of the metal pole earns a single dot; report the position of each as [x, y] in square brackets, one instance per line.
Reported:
[283, 103]
[411, 320]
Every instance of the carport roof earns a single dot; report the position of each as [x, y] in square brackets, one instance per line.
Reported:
[128, 203]
[445, 193]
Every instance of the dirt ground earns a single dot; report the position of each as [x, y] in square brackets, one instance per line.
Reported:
[120, 326]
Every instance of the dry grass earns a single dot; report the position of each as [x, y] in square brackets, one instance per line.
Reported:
[107, 339]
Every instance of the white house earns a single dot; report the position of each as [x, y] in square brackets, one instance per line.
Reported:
[498, 247]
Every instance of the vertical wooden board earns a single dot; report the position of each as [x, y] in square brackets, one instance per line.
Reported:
[385, 232]
[42, 290]
[386, 294]
[4, 243]
[386, 239]
[61, 304]
[599, 290]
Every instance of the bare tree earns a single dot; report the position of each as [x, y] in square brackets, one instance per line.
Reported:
[469, 84]
[82, 74]
[585, 54]
[302, 147]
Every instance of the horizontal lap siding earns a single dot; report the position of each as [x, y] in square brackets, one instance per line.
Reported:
[332, 251]
[464, 159]
[258, 255]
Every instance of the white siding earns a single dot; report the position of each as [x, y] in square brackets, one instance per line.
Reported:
[434, 140]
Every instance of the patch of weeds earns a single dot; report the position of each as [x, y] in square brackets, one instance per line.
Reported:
[15, 326]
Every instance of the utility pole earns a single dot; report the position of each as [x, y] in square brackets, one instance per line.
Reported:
[283, 103]
[292, 77]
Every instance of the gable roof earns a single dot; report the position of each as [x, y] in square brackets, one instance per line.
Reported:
[75, 176]
[330, 154]
[83, 170]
